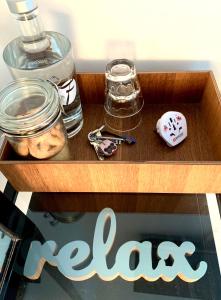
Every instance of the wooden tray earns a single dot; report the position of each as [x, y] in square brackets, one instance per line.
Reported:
[120, 202]
[149, 166]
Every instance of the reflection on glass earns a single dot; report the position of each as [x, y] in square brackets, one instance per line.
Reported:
[5, 242]
[7, 247]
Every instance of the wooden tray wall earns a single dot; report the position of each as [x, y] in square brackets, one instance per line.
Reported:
[149, 166]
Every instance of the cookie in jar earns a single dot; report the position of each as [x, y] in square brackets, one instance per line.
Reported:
[30, 118]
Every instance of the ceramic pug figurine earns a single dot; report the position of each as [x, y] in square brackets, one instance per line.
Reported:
[172, 127]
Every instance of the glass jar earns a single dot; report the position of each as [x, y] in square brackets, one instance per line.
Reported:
[30, 118]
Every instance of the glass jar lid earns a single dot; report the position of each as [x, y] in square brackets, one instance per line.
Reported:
[27, 106]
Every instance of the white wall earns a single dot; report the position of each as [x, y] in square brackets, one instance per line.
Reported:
[156, 34]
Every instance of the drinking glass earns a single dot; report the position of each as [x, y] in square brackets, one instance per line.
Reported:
[123, 101]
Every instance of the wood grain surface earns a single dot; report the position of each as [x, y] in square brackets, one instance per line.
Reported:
[157, 87]
[114, 177]
[211, 115]
[148, 166]
[142, 203]
[149, 146]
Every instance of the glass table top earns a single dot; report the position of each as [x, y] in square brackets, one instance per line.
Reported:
[154, 218]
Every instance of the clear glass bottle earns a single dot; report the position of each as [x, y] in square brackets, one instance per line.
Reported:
[46, 55]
